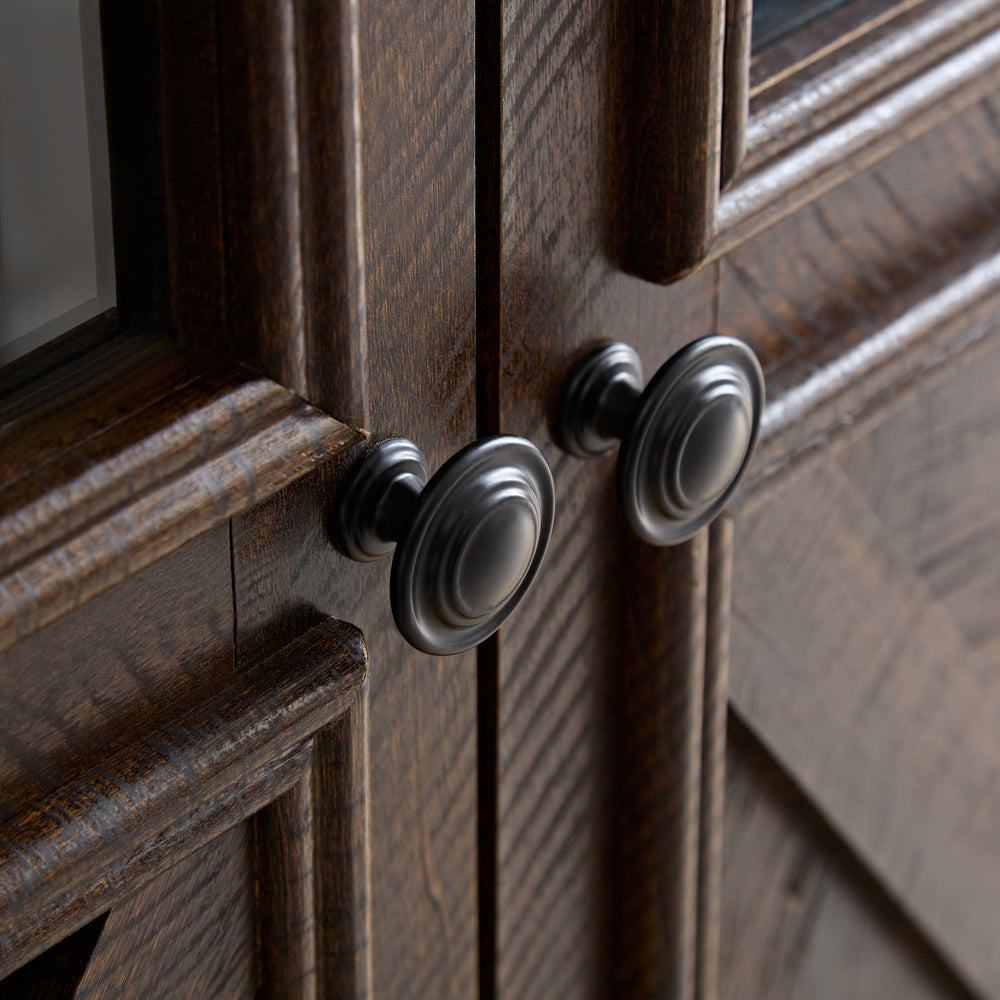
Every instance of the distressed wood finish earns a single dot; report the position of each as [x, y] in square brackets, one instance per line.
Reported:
[801, 918]
[288, 891]
[667, 132]
[342, 830]
[883, 99]
[101, 835]
[909, 531]
[713, 757]
[657, 708]
[188, 933]
[120, 457]
[947, 529]
[89, 680]
[875, 290]
[866, 684]
[598, 672]
[262, 143]
[735, 88]
[419, 735]
[952, 326]
[887, 719]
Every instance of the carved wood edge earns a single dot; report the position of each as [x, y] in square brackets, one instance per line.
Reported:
[669, 146]
[147, 449]
[102, 836]
[735, 88]
[846, 393]
[887, 95]
[839, 83]
[261, 157]
[713, 758]
[838, 29]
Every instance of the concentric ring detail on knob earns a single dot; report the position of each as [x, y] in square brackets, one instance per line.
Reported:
[479, 531]
[691, 438]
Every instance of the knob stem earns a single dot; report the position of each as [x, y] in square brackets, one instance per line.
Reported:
[395, 511]
[599, 401]
[616, 407]
[687, 438]
[465, 545]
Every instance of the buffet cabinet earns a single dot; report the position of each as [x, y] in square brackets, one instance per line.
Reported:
[760, 763]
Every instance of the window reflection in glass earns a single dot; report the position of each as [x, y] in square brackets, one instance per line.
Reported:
[56, 263]
[774, 18]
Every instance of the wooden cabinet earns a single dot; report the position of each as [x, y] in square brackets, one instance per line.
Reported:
[223, 772]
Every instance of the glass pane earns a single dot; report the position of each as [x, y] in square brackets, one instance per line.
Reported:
[56, 263]
[774, 18]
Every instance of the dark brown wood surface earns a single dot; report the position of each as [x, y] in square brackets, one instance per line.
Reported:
[665, 129]
[262, 163]
[599, 672]
[189, 933]
[713, 757]
[420, 820]
[884, 99]
[735, 88]
[116, 459]
[84, 683]
[801, 918]
[854, 303]
[108, 830]
[548, 826]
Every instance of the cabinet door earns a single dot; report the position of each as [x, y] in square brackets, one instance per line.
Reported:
[855, 251]
[293, 190]
[598, 677]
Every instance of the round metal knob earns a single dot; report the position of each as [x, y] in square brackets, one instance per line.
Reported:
[687, 439]
[467, 544]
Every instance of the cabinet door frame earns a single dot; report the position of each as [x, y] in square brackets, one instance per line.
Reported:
[240, 320]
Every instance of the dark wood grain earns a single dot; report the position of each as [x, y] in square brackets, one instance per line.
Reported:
[888, 120]
[872, 379]
[188, 933]
[929, 473]
[735, 88]
[658, 725]
[127, 454]
[157, 798]
[287, 891]
[417, 106]
[667, 132]
[576, 911]
[872, 292]
[864, 689]
[262, 153]
[801, 917]
[713, 757]
[92, 680]
[342, 831]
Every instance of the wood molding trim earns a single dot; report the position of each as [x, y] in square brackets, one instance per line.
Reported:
[659, 724]
[101, 837]
[849, 392]
[126, 453]
[669, 149]
[887, 93]
[713, 757]
[239, 175]
[735, 88]
[840, 81]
